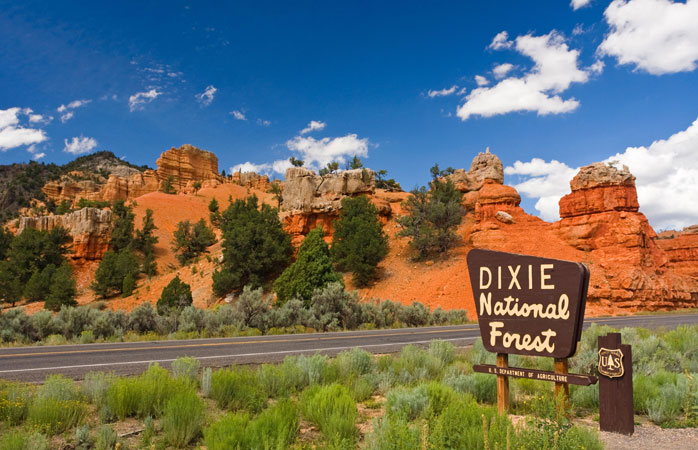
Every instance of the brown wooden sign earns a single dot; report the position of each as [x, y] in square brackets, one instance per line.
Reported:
[615, 388]
[528, 305]
[544, 375]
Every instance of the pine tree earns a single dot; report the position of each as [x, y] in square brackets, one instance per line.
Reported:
[62, 291]
[175, 297]
[10, 285]
[312, 270]
[39, 284]
[122, 231]
[358, 241]
[114, 268]
[214, 212]
[189, 241]
[145, 241]
[355, 163]
[5, 242]
[255, 246]
[296, 162]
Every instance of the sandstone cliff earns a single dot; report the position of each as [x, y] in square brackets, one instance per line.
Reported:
[187, 164]
[182, 166]
[310, 200]
[251, 180]
[89, 229]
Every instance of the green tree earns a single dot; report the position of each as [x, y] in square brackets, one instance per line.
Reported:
[5, 242]
[196, 186]
[145, 241]
[167, 186]
[62, 291]
[386, 183]
[39, 284]
[32, 250]
[278, 193]
[355, 163]
[112, 270]
[255, 246]
[189, 241]
[10, 285]
[214, 212]
[311, 270]
[331, 167]
[358, 242]
[296, 162]
[432, 217]
[175, 297]
[122, 230]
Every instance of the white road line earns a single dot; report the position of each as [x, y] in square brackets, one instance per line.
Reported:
[243, 355]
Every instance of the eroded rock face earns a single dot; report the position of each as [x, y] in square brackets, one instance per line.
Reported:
[484, 167]
[310, 200]
[187, 164]
[71, 190]
[132, 186]
[681, 248]
[89, 228]
[251, 180]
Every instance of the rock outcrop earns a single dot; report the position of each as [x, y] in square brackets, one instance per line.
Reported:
[681, 247]
[484, 167]
[310, 200]
[251, 180]
[89, 229]
[187, 164]
[181, 166]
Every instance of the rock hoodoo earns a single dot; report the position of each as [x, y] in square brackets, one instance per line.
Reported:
[187, 164]
[311, 200]
[485, 167]
[251, 180]
[89, 228]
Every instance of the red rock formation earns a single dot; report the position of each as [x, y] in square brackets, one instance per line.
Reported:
[124, 188]
[89, 229]
[187, 164]
[681, 248]
[251, 180]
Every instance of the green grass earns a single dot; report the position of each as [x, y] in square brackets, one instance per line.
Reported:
[333, 410]
[183, 418]
[237, 388]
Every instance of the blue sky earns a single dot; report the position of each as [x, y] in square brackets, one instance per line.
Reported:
[587, 82]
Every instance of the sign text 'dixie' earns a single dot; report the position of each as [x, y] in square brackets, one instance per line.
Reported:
[528, 305]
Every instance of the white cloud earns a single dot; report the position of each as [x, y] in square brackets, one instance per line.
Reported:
[501, 70]
[280, 165]
[314, 125]
[657, 36]
[263, 122]
[500, 41]
[251, 167]
[66, 112]
[318, 152]
[597, 67]
[546, 181]
[38, 156]
[481, 81]
[13, 134]
[206, 97]
[666, 172]
[554, 70]
[79, 145]
[137, 100]
[576, 4]
[442, 92]
[238, 115]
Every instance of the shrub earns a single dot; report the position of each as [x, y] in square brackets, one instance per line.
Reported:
[251, 309]
[358, 241]
[407, 403]
[463, 423]
[23, 440]
[414, 315]
[183, 418]
[333, 410]
[143, 318]
[482, 386]
[237, 388]
[312, 270]
[275, 427]
[96, 385]
[394, 433]
[15, 399]
[191, 319]
[83, 440]
[191, 240]
[145, 395]
[187, 368]
[206, 381]
[333, 308]
[354, 362]
[175, 297]
[443, 351]
[255, 246]
[228, 433]
[53, 415]
[106, 438]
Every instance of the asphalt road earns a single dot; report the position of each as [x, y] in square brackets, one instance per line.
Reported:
[33, 364]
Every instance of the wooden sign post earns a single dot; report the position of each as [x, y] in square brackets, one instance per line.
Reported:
[529, 306]
[615, 385]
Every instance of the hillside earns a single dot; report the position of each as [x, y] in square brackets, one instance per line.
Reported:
[631, 267]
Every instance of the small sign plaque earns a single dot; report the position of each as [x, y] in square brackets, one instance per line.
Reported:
[611, 362]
